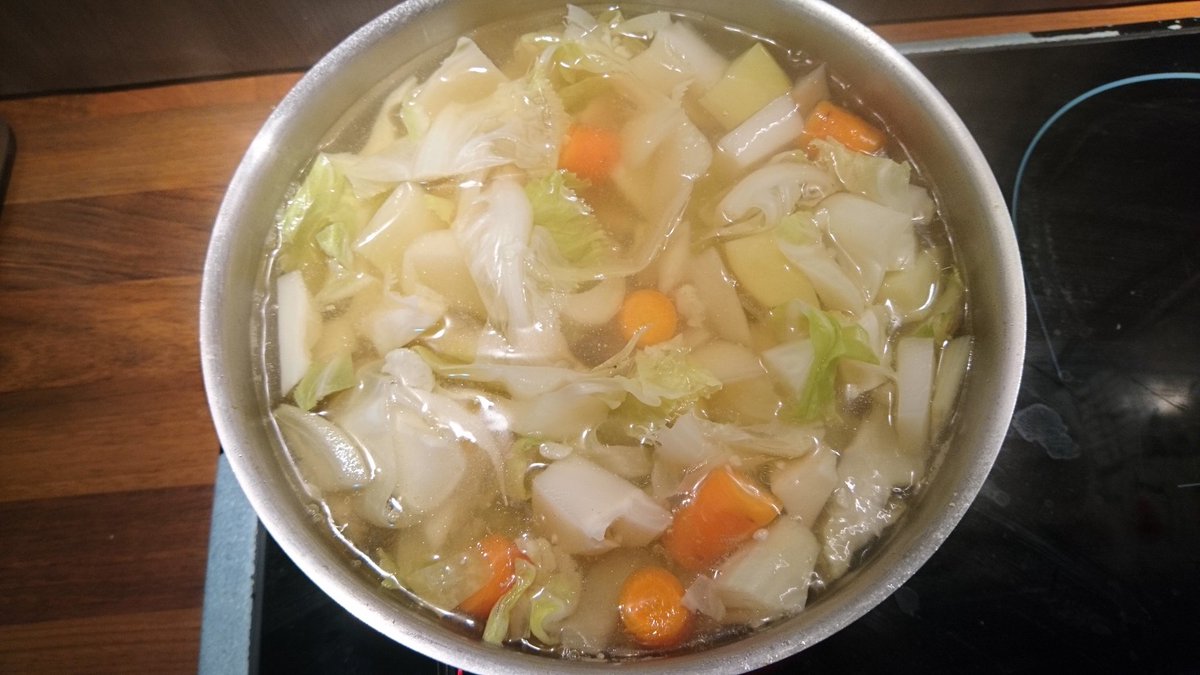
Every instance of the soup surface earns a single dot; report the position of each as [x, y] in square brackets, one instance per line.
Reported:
[611, 335]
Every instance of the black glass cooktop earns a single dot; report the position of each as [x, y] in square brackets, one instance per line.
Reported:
[1083, 549]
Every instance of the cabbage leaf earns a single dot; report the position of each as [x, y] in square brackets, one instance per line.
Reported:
[800, 241]
[830, 341]
[496, 628]
[572, 226]
[775, 190]
[521, 123]
[946, 314]
[589, 47]
[494, 229]
[319, 219]
[553, 602]
[466, 75]
[324, 378]
[664, 383]
[334, 241]
[658, 382]
[882, 180]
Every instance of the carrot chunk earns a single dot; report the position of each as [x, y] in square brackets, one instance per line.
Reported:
[726, 509]
[500, 554]
[650, 309]
[652, 610]
[590, 152]
[829, 120]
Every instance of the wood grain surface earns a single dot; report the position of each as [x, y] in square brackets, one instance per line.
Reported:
[107, 452]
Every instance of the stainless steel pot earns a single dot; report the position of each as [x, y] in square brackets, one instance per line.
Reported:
[921, 118]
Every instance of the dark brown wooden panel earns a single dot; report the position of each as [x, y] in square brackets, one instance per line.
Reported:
[121, 553]
[153, 642]
[138, 330]
[137, 152]
[127, 237]
[108, 436]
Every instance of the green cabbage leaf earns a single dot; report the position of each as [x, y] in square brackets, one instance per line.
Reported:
[497, 623]
[568, 220]
[830, 341]
[324, 378]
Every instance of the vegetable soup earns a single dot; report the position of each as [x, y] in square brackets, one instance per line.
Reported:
[605, 334]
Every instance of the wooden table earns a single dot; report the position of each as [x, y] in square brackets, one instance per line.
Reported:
[107, 452]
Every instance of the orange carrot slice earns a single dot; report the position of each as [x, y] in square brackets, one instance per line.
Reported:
[652, 610]
[650, 309]
[590, 152]
[500, 555]
[829, 120]
[726, 509]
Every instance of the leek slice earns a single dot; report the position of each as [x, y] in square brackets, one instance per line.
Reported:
[952, 368]
[770, 130]
[914, 391]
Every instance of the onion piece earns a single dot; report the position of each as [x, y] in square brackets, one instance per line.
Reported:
[867, 230]
[675, 258]
[642, 134]
[685, 442]
[400, 319]
[631, 462]
[325, 454]
[790, 363]
[644, 26]
[558, 415]
[429, 468]
[911, 292]
[435, 262]
[921, 205]
[702, 596]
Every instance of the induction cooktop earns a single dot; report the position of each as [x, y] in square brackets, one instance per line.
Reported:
[1083, 549]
